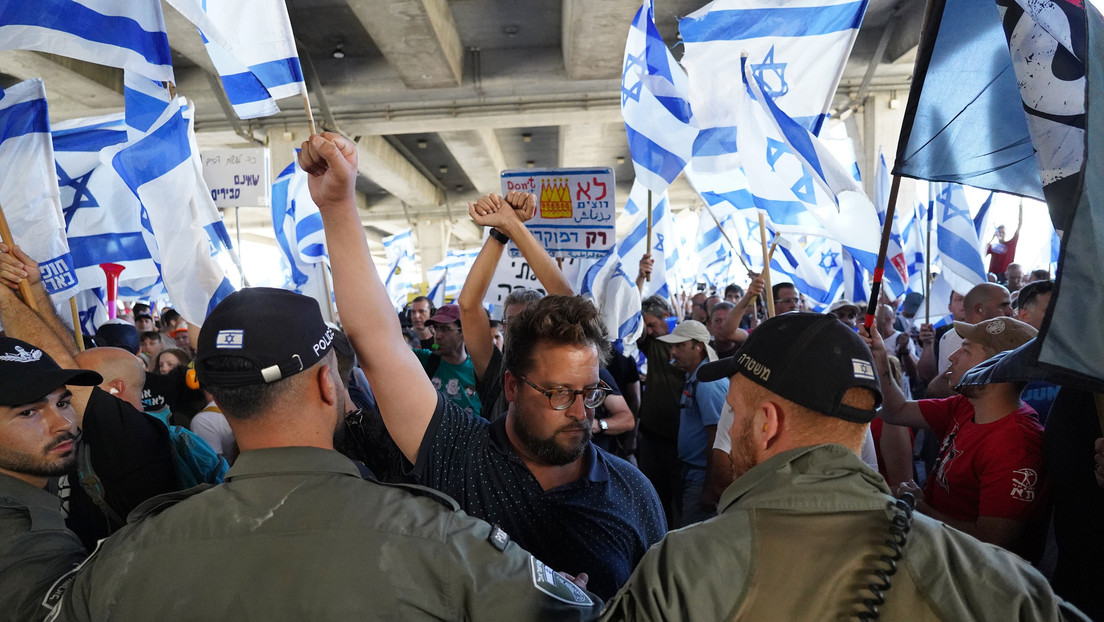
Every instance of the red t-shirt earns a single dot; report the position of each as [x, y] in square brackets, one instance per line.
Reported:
[991, 469]
[1003, 253]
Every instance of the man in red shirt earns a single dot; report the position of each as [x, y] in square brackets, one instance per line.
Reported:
[1002, 251]
[988, 478]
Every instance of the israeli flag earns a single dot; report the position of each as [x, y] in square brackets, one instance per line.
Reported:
[856, 281]
[654, 105]
[437, 293]
[797, 183]
[956, 237]
[664, 279]
[103, 219]
[29, 190]
[816, 269]
[728, 200]
[796, 48]
[403, 273]
[163, 170]
[895, 279]
[614, 292]
[913, 235]
[457, 265]
[117, 33]
[252, 46]
[298, 228]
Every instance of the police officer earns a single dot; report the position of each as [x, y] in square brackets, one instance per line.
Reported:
[805, 526]
[295, 533]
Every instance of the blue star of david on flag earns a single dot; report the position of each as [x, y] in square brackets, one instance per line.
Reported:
[82, 197]
[953, 211]
[828, 261]
[763, 71]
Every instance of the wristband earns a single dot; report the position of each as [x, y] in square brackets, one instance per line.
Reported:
[499, 236]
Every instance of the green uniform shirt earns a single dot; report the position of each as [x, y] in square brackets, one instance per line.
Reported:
[798, 538]
[296, 534]
[35, 548]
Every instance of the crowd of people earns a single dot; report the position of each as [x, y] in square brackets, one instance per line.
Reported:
[441, 464]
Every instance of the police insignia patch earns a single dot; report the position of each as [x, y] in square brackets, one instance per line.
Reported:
[555, 585]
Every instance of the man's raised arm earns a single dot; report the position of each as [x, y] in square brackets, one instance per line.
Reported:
[405, 395]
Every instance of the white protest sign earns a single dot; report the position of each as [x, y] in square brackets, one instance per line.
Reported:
[238, 177]
[576, 211]
[514, 273]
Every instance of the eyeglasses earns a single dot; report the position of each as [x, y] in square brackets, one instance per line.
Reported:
[562, 399]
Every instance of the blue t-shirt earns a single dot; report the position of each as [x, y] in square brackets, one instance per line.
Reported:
[1040, 395]
[600, 524]
[701, 406]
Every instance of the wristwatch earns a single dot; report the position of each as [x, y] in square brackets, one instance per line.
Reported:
[602, 425]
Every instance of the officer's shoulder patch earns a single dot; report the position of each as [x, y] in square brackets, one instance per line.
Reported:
[498, 537]
[423, 491]
[555, 585]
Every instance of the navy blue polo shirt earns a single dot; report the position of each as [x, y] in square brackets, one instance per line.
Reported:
[600, 524]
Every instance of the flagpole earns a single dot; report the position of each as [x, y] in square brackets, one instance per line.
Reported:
[648, 250]
[77, 336]
[6, 236]
[883, 249]
[310, 113]
[739, 255]
[927, 269]
[767, 292]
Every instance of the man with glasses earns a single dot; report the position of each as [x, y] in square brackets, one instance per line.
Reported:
[534, 472]
[448, 365]
[786, 298]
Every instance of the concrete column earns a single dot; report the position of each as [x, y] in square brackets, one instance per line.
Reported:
[282, 144]
[432, 238]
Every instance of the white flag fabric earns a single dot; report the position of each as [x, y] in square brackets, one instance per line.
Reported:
[403, 271]
[252, 46]
[297, 225]
[956, 237]
[163, 169]
[614, 292]
[654, 104]
[119, 33]
[456, 264]
[103, 218]
[29, 192]
[797, 48]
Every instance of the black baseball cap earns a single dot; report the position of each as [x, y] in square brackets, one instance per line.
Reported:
[118, 334]
[279, 333]
[807, 358]
[27, 374]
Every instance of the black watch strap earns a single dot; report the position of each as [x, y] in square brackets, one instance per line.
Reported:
[499, 236]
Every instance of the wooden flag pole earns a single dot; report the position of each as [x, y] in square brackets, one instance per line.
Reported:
[648, 250]
[767, 292]
[927, 270]
[310, 113]
[883, 249]
[739, 255]
[77, 336]
[24, 285]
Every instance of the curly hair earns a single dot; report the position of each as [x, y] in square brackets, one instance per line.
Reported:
[558, 320]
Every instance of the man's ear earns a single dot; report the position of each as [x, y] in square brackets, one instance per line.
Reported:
[327, 388]
[116, 386]
[769, 422]
[510, 386]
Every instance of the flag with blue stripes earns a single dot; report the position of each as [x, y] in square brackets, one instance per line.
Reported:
[298, 228]
[956, 238]
[162, 168]
[664, 280]
[402, 273]
[436, 293]
[457, 264]
[727, 200]
[103, 219]
[815, 269]
[28, 188]
[252, 46]
[118, 33]
[797, 183]
[895, 279]
[614, 292]
[796, 48]
[654, 105]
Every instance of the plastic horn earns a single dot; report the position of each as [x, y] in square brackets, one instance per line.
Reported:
[112, 270]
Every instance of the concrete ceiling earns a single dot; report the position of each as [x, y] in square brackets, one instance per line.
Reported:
[442, 95]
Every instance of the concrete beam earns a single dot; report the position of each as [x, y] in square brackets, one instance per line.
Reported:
[908, 24]
[592, 144]
[82, 83]
[418, 37]
[479, 154]
[381, 163]
[588, 49]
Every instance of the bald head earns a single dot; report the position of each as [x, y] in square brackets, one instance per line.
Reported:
[987, 301]
[884, 318]
[123, 373]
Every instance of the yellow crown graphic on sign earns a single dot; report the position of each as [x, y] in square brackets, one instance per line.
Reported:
[555, 198]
